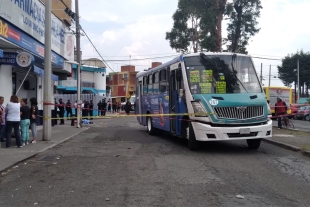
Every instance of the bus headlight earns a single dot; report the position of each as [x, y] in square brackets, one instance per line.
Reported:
[199, 110]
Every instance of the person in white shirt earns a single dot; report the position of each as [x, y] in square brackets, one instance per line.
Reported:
[12, 110]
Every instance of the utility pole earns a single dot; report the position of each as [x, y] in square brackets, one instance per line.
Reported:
[261, 73]
[269, 74]
[47, 126]
[298, 85]
[78, 60]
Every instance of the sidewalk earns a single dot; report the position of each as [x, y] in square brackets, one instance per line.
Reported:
[60, 133]
[291, 139]
[298, 126]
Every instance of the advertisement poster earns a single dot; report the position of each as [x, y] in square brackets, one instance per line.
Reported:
[159, 106]
[14, 35]
[284, 94]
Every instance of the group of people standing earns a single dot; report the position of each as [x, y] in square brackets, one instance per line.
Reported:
[112, 107]
[17, 115]
[61, 108]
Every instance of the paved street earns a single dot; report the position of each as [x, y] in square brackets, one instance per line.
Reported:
[116, 163]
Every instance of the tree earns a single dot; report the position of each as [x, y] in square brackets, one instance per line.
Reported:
[288, 73]
[243, 16]
[197, 24]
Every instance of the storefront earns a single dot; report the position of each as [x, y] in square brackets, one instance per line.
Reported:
[22, 30]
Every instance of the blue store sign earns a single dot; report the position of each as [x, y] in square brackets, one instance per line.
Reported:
[16, 36]
[1, 53]
[22, 59]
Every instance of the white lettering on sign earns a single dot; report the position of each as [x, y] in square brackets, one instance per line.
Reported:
[29, 16]
[214, 102]
[154, 101]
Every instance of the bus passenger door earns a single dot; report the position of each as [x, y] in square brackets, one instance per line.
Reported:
[172, 100]
[139, 102]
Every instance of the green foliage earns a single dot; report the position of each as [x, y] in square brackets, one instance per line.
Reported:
[194, 25]
[243, 21]
[287, 72]
[198, 24]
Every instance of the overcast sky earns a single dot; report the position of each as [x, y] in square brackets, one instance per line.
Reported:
[135, 29]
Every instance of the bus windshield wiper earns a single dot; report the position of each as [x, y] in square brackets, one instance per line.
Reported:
[234, 56]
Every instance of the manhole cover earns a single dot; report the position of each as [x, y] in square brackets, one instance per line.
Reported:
[48, 158]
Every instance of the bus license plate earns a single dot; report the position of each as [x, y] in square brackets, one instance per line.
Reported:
[245, 131]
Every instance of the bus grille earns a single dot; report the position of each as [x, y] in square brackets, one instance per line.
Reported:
[242, 112]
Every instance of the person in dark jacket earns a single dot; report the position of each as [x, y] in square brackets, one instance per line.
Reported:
[86, 109]
[33, 119]
[68, 109]
[99, 105]
[91, 108]
[127, 107]
[280, 110]
[104, 108]
[61, 107]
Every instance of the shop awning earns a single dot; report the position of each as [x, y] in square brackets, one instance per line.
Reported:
[40, 72]
[1, 53]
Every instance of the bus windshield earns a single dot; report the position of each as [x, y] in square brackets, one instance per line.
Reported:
[221, 74]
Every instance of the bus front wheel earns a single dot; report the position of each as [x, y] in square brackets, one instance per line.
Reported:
[193, 144]
[150, 127]
[253, 143]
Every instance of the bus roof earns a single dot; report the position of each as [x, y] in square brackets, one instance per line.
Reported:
[179, 59]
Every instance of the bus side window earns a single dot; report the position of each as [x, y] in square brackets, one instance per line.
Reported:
[162, 81]
[150, 84]
[144, 85]
[155, 83]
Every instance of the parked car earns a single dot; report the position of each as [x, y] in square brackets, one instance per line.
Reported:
[294, 110]
[303, 113]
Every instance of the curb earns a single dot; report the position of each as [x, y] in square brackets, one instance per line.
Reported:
[283, 145]
[306, 153]
[42, 150]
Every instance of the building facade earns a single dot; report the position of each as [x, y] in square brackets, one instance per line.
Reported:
[22, 34]
[93, 81]
[123, 84]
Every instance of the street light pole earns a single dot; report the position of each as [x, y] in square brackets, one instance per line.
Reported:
[269, 75]
[78, 60]
[298, 85]
[47, 127]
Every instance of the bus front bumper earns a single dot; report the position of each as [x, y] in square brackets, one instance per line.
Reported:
[205, 132]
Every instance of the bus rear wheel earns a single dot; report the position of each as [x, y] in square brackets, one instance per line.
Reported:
[253, 143]
[193, 144]
[150, 127]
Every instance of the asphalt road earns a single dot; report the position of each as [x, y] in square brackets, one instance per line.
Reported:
[302, 125]
[116, 163]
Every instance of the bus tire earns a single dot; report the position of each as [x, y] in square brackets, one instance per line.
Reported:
[193, 144]
[149, 124]
[253, 143]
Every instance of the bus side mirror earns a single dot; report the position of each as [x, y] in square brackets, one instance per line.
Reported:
[178, 75]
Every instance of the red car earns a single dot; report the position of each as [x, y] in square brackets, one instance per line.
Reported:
[294, 110]
[304, 113]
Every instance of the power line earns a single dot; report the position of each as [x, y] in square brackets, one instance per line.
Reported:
[137, 55]
[265, 58]
[141, 59]
[95, 48]
[266, 55]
